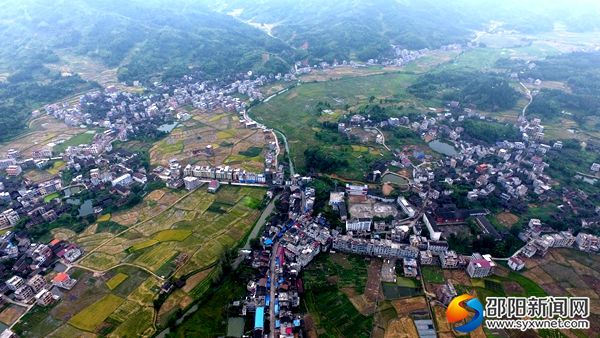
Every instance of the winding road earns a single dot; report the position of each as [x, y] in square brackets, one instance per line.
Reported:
[529, 96]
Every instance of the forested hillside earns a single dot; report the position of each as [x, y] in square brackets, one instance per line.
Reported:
[328, 29]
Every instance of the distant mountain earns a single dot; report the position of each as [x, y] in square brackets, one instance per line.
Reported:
[356, 29]
[144, 38]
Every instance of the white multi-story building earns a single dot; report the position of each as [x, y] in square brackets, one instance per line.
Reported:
[9, 218]
[191, 183]
[357, 190]
[15, 282]
[480, 266]
[406, 207]
[516, 263]
[359, 224]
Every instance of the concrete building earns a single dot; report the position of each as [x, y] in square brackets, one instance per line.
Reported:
[63, 280]
[410, 267]
[406, 207]
[14, 170]
[213, 186]
[9, 218]
[15, 282]
[516, 263]
[359, 224]
[44, 298]
[191, 183]
[446, 293]
[37, 283]
[123, 181]
[480, 266]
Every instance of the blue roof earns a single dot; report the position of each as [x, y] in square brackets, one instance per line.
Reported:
[277, 323]
[296, 322]
[268, 241]
[259, 318]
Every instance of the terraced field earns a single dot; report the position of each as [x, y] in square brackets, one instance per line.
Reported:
[131, 253]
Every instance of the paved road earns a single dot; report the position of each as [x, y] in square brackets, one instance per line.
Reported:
[382, 139]
[287, 150]
[255, 231]
[529, 96]
[273, 290]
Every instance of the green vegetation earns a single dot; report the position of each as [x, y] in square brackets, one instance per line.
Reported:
[335, 314]
[38, 322]
[483, 90]
[251, 202]
[82, 138]
[367, 29]
[490, 132]
[23, 93]
[110, 226]
[251, 152]
[347, 270]
[432, 274]
[210, 318]
[328, 305]
[50, 197]
[298, 115]
[116, 280]
[91, 317]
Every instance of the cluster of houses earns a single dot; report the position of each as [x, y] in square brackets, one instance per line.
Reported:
[126, 113]
[33, 273]
[539, 239]
[400, 57]
[192, 177]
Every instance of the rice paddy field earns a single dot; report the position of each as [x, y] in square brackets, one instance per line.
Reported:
[231, 142]
[171, 233]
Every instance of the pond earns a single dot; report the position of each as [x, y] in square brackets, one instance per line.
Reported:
[442, 148]
[167, 128]
[86, 208]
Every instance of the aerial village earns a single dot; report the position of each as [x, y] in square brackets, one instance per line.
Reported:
[412, 228]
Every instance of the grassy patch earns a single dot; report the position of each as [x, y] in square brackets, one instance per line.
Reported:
[91, 317]
[83, 138]
[50, 197]
[432, 274]
[251, 202]
[37, 323]
[292, 113]
[210, 319]
[116, 280]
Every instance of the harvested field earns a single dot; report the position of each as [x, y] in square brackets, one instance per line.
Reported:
[191, 282]
[404, 307]
[457, 276]
[507, 219]
[401, 328]
[11, 313]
